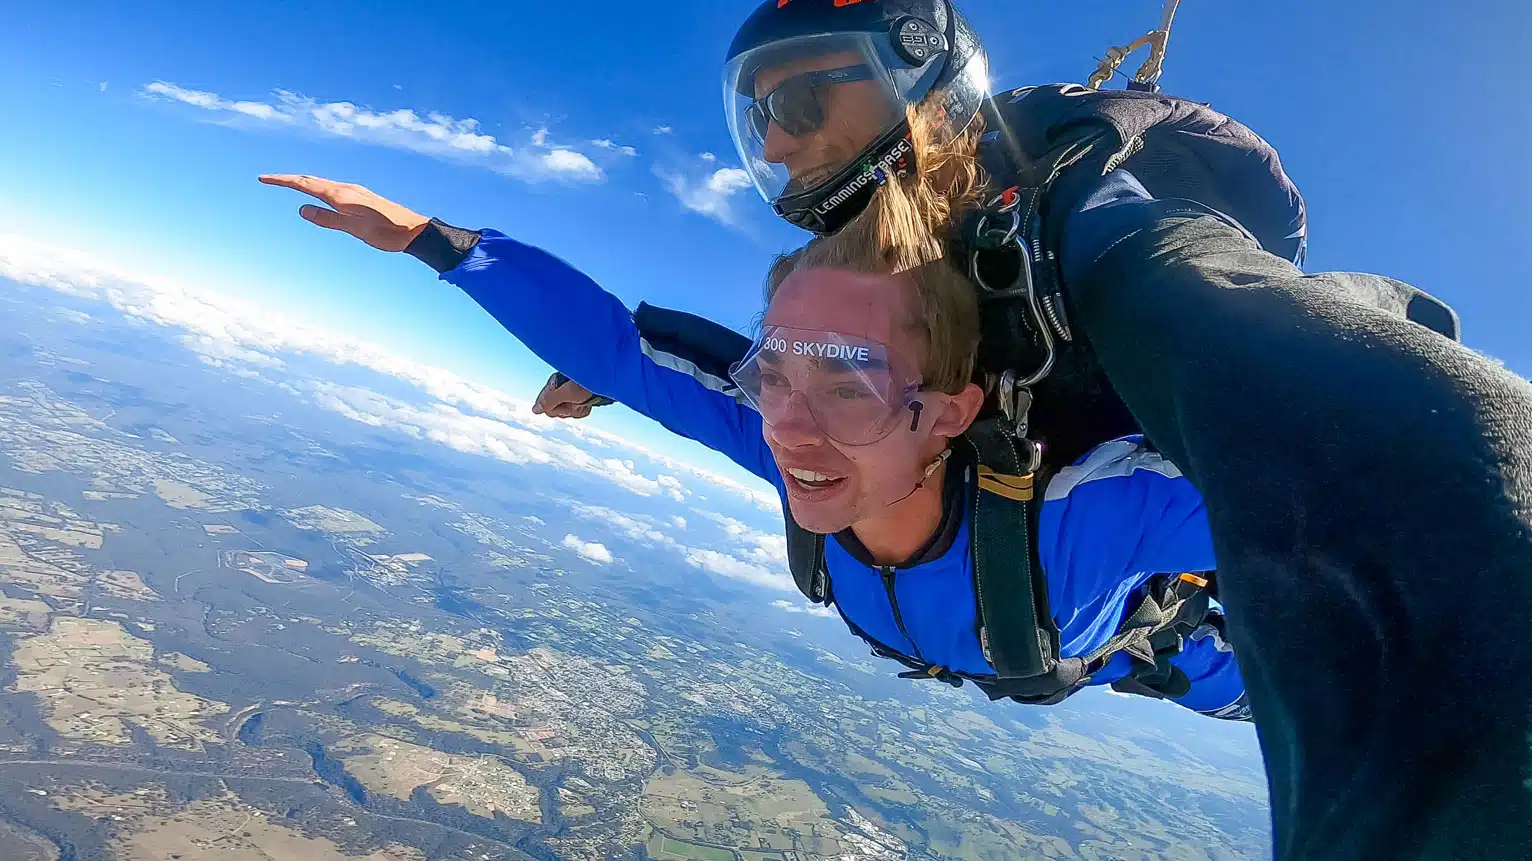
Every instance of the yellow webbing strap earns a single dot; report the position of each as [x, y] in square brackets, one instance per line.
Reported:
[1016, 487]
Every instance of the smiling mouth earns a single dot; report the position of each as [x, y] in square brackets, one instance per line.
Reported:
[808, 179]
[809, 482]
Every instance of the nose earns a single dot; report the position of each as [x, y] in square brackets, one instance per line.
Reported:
[794, 426]
[779, 145]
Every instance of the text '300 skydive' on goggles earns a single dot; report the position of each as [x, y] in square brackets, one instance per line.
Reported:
[854, 391]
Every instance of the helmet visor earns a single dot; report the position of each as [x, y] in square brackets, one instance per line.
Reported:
[854, 391]
[801, 109]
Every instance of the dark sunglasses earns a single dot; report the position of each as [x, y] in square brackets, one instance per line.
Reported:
[794, 104]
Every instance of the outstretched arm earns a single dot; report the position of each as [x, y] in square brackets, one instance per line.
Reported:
[541, 300]
[1368, 484]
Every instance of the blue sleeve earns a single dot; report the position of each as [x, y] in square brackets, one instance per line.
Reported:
[564, 317]
[1108, 523]
[1099, 220]
[1111, 212]
[1218, 689]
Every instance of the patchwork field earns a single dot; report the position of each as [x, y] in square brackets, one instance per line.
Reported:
[482, 785]
[92, 678]
[148, 828]
[759, 812]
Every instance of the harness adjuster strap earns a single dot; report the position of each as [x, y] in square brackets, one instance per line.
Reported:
[1017, 488]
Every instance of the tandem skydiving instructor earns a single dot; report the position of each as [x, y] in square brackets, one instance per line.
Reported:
[1367, 479]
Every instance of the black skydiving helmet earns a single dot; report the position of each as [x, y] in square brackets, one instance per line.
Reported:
[796, 64]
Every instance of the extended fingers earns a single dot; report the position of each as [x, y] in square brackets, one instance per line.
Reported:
[324, 189]
[322, 217]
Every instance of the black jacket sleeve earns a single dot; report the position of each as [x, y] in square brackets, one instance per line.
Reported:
[1369, 487]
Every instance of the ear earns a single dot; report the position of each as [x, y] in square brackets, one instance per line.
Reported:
[960, 411]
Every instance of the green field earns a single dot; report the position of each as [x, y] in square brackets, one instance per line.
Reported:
[682, 849]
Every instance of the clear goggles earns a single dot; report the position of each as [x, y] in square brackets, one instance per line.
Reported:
[852, 389]
[796, 87]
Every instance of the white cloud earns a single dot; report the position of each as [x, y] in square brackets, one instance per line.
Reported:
[732, 527]
[707, 156]
[431, 133]
[102, 86]
[461, 414]
[663, 130]
[759, 548]
[810, 609]
[673, 487]
[762, 495]
[738, 569]
[640, 529]
[511, 442]
[72, 315]
[756, 557]
[609, 144]
[711, 196]
[589, 550]
[535, 520]
[200, 98]
[567, 162]
[218, 351]
[448, 410]
[259, 110]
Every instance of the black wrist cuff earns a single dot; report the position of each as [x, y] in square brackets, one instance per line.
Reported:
[442, 246]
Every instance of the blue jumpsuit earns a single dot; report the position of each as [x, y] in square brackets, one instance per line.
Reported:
[1107, 524]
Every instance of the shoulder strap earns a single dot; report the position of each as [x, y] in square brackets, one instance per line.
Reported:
[1176, 147]
[806, 560]
[1016, 629]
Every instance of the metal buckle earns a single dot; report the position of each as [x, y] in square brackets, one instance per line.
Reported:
[1015, 404]
[991, 233]
[988, 238]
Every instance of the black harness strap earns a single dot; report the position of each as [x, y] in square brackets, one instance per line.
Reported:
[806, 560]
[1016, 629]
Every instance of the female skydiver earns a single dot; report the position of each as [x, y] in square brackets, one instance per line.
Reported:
[852, 396]
[1368, 482]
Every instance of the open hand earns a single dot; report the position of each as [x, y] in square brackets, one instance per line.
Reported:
[375, 220]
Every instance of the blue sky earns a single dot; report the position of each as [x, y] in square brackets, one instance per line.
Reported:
[1392, 118]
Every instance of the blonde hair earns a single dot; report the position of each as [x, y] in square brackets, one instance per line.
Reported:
[949, 178]
[895, 235]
